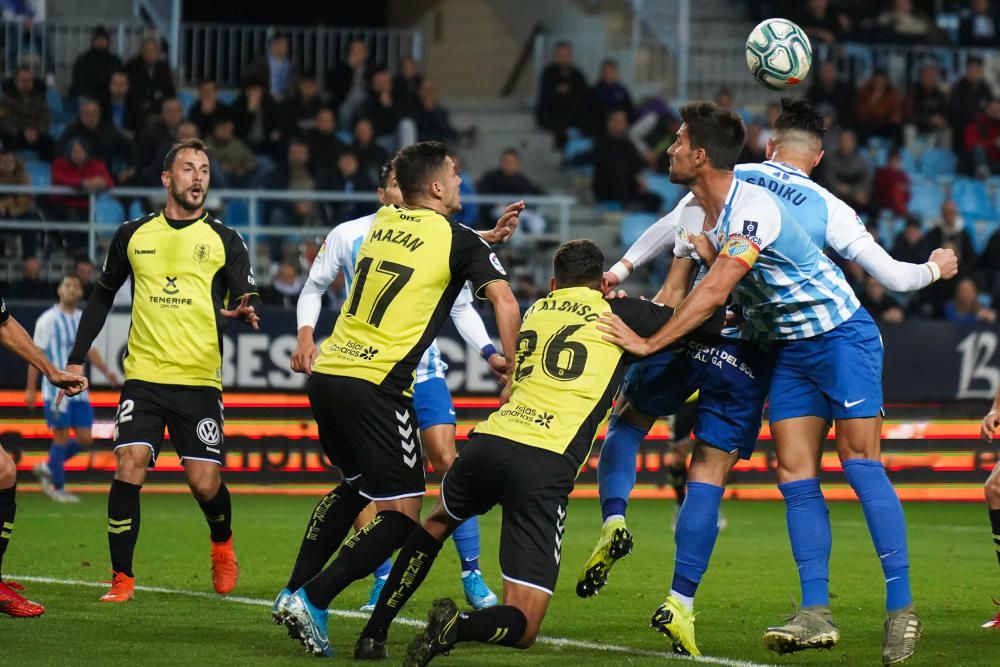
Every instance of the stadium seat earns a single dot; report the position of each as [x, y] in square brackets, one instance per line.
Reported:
[925, 199]
[135, 210]
[227, 96]
[108, 210]
[671, 193]
[55, 102]
[345, 137]
[576, 148]
[937, 162]
[610, 206]
[910, 164]
[40, 173]
[981, 231]
[237, 212]
[633, 225]
[972, 199]
[187, 98]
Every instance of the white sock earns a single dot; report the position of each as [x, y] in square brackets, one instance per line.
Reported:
[688, 602]
[614, 517]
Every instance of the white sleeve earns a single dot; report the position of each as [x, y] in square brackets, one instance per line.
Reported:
[43, 329]
[753, 226]
[845, 232]
[658, 237]
[328, 263]
[640, 128]
[895, 275]
[468, 322]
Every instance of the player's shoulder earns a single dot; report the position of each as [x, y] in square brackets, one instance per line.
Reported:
[465, 234]
[228, 235]
[351, 229]
[749, 195]
[129, 227]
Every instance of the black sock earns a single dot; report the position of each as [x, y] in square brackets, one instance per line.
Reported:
[328, 526]
[994, 520]
[219, 513]
[408, 572]
[7, 509]
[503, 625]
[360, 555]
[123, 524]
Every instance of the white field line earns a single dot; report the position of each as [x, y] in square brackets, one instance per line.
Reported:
[345, 613]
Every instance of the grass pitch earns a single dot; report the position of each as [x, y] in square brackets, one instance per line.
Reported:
[747, 588]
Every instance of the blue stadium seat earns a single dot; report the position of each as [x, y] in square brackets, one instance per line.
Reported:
[671, 193]
[345, 137]
[981, 231]
[937, 162]
[972, 199]
[187, 98]
[633, 225]
[925, 199]
[55, 102]
[228, 96]
[877, 155]
[40, 173]
[610, 206]
[135, 210]
[577, 146]
[910, 164]
[237, 212]
[108, 210]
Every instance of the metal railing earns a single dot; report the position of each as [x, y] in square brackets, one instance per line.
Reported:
[253, 227]
[222, 52]
[165, 16]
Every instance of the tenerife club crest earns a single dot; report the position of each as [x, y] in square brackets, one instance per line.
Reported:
[201, 253]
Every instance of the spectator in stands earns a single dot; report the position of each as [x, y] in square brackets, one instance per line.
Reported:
[285, 287]
[847, 174]
[300, 109]
[233, 157]
[562, 96]
[988, 265]
[20, 205]
[753, 148]
[965, 306]
[979, 25]
[949, 229]
[156, 140]
[258, 120]
[104, 142]
[879, 109]
[609, 94]
[149, 77]
[292, 174]
[26, 46]
[617, 163]
[275, 68]
[902, 24]
[879, 304]
[77, 170]
[525, 290]
[910, 244]
[24, 114]
[771, 113]
[406, 85]
[891, 191]
[827, 87]
[118, 108]
[83, 269]
[349, 177]
[31, 286]
[348, 82]
[968, 97]
[324, 145]
[433, 123]
[469, 215]
[654, 132]
[508, 179]
[207, 111]
[370, 155]
[982, 142]
[823, 23]
[93, 68]
[385, 114]
[926, 112]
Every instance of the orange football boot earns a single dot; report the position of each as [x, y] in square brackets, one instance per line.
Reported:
[225, 569]
[16, 605]
[122, 588]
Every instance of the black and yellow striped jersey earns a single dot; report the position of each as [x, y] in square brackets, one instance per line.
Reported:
[183, 272]
[410, 268]
[566, 375]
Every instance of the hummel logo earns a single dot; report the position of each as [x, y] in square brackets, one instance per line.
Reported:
[853, 403]
[369, 353]
[544, 420]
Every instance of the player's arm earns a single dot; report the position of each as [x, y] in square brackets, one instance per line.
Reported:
[16, 339]
[991, 421]
[244, 298]
[322, 273]
[43, 329]
[473, 331]
[645, 318]
[657, 238]
[508, 316]
[677, 284]
[506, 224]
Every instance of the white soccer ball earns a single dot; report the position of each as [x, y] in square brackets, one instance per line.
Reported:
[779, 54]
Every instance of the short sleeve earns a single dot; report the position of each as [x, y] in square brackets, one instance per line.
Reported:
[473, 260]
[643, 317]
[4, 315]
[117, 268]
[239, 274]
[845, 232]
[43, 330]
[753, 226]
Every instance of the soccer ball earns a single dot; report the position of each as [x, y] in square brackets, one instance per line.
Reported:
[778, 54]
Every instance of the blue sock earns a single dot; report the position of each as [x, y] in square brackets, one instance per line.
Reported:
[72, 448]
[887, 525]
[808, 522]
[383, 570]
[694, 537]
[466, 539]
[616, 467]
[57, 465]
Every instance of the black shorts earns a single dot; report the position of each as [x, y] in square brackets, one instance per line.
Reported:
[192, 414]
[370, 434]
[532, 486]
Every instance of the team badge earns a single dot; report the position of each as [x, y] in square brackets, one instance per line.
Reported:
[737, 248]
[201, 253]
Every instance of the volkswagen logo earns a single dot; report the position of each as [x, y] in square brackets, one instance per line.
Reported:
[208, 431]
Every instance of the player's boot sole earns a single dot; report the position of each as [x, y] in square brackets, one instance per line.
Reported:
[596, 576]
[427, 644]
[784, 642]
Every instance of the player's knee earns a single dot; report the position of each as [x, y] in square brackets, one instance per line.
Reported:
[132, 460]
[632, 416]
[527, 639]
[442, 460]
[992, 490]
[204, 487]
[8, 471]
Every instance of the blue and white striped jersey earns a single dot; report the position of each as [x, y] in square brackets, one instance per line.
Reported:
[55, 331]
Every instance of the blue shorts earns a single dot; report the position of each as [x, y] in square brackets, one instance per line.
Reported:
[732, 377]
[432, 401]
[835, 375]
[69, 414]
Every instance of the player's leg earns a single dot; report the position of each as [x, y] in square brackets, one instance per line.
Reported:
[57, 418]
[992, 491]
[381, 573]
[436, 419]
[12, 602]
[63, 448]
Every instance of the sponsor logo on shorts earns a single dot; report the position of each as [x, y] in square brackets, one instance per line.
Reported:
[406, 441]
[208, 432]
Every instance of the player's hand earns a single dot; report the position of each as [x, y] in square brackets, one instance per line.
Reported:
[70, 381]
[611, 280]
[506, 224]
[990, 424]
[616, 294]
[705, 248]
[304, 356]
[947, 261]
[243, 311]
[622, 335]
[498, 366]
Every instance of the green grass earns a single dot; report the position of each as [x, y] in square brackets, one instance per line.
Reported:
[747, 587]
